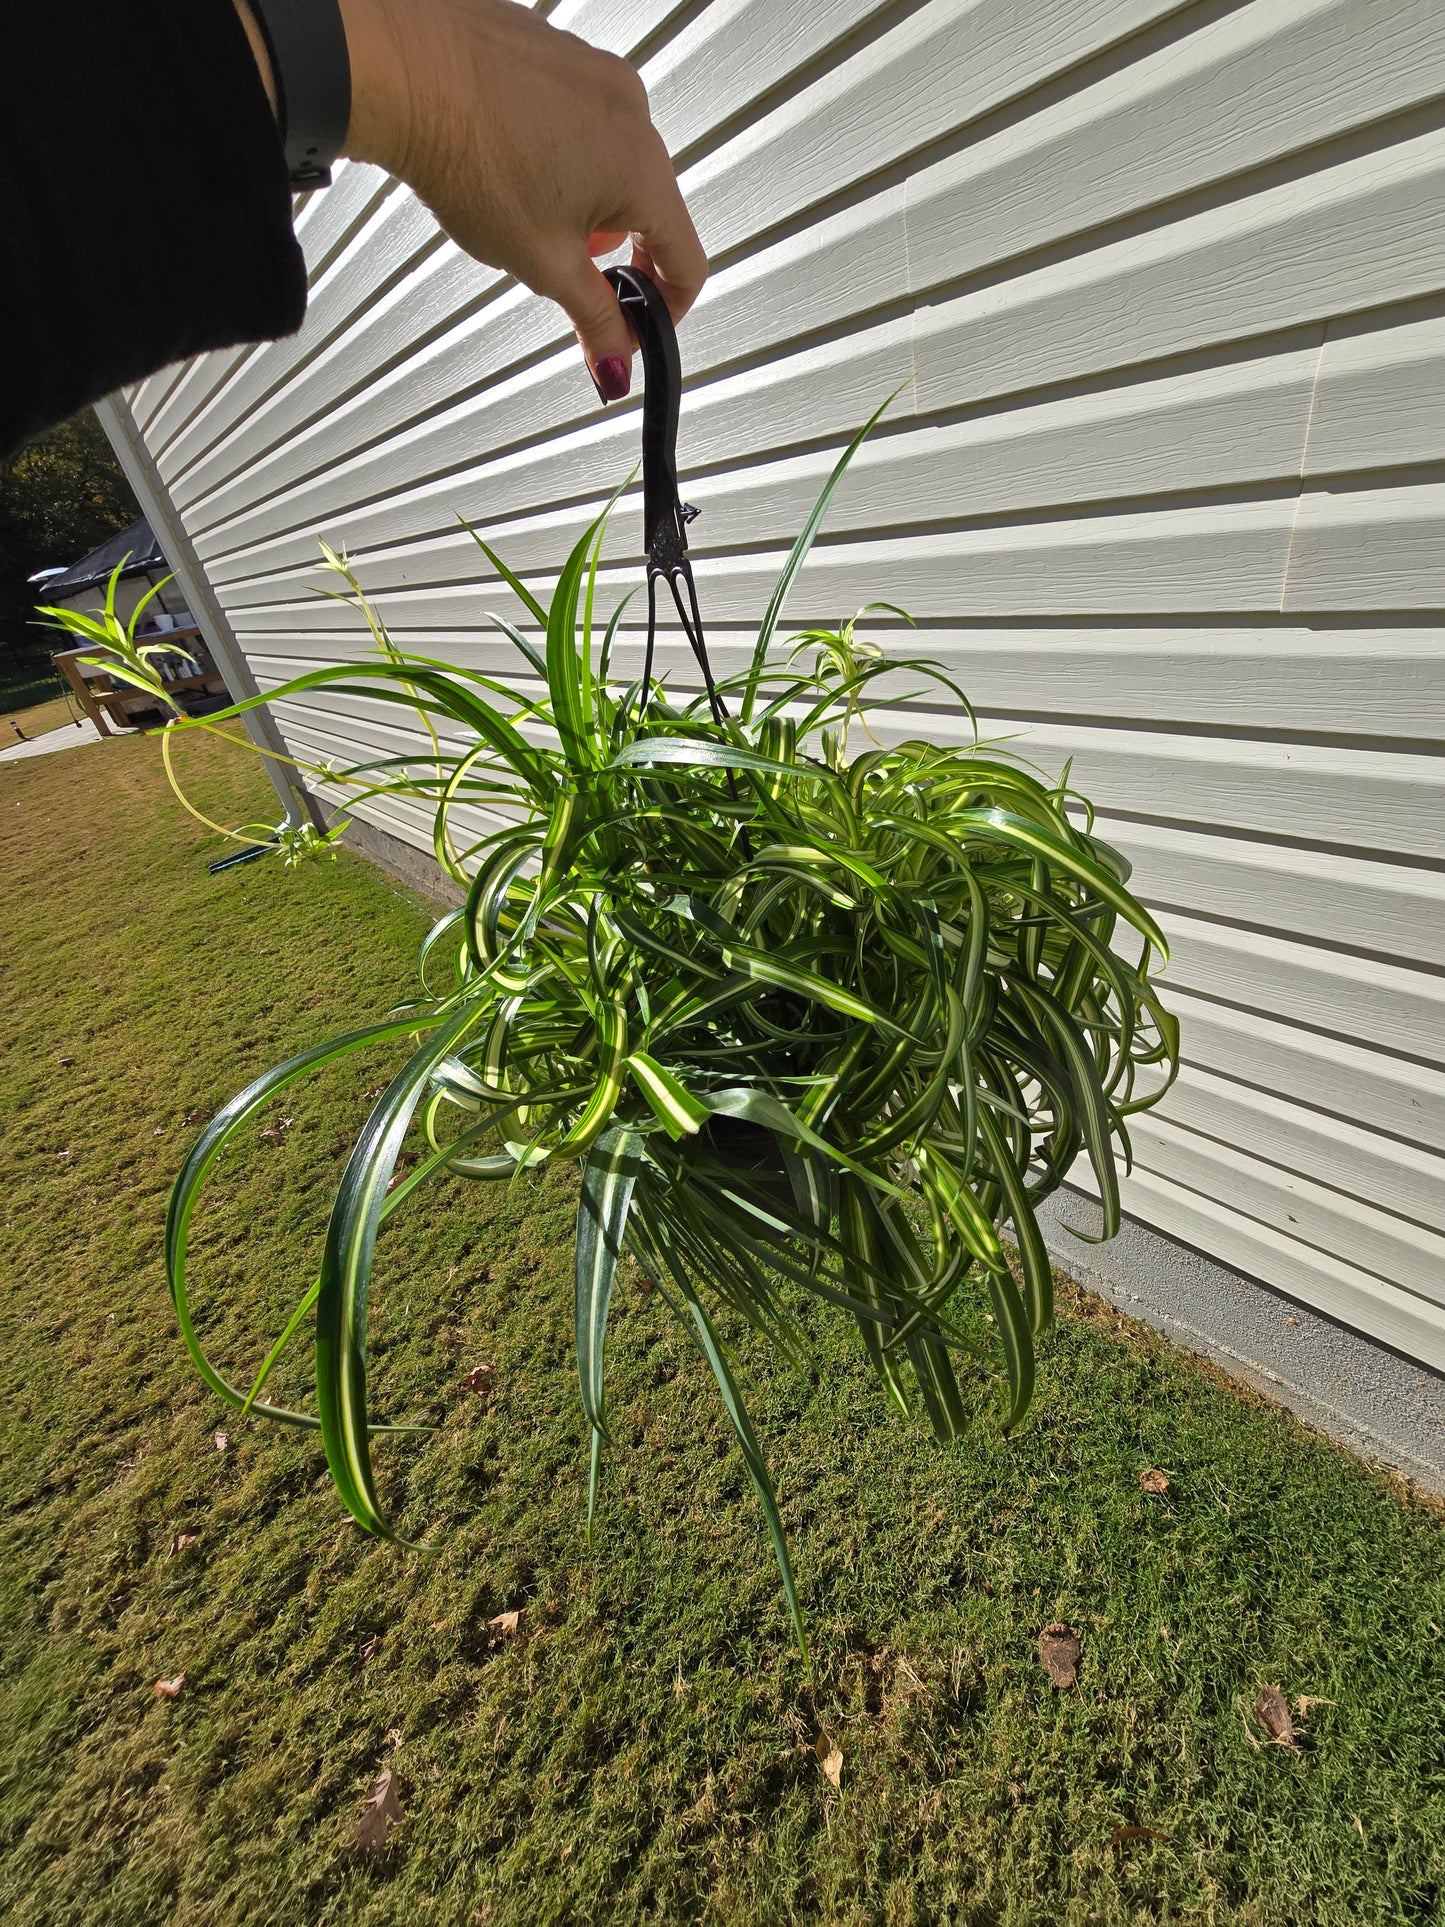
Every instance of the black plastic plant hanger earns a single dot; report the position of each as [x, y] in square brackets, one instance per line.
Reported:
[665, 515]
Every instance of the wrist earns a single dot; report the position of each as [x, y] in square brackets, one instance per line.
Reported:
[260, 53]
[380, 129]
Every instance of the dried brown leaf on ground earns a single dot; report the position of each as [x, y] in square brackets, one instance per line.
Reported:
[379, 1814]
[1271, 1709]
[271, 1133]
[1059, 1652]
[221, 1440]
[830, 1757]
[1121, 1834]
[198, 1114]
[404, 1159]
[479, 1378]
[182, 1540]
[507, 1625]
[169, 1689]
[1154, 1481]
[371, 1648]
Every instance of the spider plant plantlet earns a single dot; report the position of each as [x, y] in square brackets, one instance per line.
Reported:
[816, 1014]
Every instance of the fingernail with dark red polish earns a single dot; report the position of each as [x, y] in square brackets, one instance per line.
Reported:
[613, 378]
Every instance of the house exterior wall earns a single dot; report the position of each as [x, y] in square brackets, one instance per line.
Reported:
[1163, 289]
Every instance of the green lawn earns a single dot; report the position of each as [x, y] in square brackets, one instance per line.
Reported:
[27, 684]
[36, 719]
[644, 1750]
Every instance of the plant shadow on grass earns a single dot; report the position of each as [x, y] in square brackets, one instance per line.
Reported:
[642, 1745]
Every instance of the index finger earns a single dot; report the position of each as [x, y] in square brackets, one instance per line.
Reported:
[665, 243]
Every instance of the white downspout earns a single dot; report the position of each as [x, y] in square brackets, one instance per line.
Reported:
[144, 477]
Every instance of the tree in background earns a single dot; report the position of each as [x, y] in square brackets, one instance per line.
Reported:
[60, 496]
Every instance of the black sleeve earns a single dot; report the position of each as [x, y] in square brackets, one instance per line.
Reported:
[145, 211]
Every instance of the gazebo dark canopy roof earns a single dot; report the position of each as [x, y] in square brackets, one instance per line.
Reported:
[137, 542]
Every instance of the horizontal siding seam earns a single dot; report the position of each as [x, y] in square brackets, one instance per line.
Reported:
[1366, 1276]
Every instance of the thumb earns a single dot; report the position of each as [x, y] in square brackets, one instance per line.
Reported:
[593, 309]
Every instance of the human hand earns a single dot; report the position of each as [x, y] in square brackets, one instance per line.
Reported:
[535, 152]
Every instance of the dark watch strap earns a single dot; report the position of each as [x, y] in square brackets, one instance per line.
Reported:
[312, 73]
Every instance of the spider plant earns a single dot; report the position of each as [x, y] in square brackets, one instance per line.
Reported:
[122, 657]
[139, 665]
[815, 1020]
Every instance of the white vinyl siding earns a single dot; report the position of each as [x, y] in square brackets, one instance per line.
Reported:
[1163, 288]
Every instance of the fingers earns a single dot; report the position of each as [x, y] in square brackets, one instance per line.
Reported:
[602, 329]
[665, 244]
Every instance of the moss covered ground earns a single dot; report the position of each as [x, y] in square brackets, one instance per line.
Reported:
[643, 1746]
